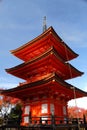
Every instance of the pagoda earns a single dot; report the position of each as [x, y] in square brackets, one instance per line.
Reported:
[45, 69]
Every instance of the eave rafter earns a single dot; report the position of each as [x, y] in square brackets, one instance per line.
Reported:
[66, 52]
[36, 49]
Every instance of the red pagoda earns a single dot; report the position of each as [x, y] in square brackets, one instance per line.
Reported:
[45, 68]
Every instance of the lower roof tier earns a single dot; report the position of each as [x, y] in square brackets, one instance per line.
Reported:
[41, 66]
[51, 85]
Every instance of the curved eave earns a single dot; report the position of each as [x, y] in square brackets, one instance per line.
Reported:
[32, 61]
[53, 80]
[19, 52]
[73, 70]
[22, 70]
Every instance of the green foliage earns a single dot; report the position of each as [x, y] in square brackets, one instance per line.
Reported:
[16, 112]
[15, 115]
[1, 120]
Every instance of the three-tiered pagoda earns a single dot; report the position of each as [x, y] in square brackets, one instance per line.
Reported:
[45, 69]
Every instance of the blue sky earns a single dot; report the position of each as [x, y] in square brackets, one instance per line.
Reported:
[22, 20]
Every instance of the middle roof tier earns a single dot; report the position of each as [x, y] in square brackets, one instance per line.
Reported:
[41, 66]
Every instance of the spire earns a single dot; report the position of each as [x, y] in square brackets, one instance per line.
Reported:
[44, 24]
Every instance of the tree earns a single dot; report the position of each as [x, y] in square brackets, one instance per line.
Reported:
[6, 105]
[76, 112]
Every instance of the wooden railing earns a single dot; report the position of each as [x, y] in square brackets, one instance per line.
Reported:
[48, 120]
[48, 123]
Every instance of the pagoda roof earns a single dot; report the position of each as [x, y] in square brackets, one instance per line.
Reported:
[41, 43]
[52, 82]
[49, 61]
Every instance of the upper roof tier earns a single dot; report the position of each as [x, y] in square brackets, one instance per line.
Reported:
[44, 64]
[43, 42]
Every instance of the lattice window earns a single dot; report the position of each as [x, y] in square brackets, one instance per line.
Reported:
[44, 108]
